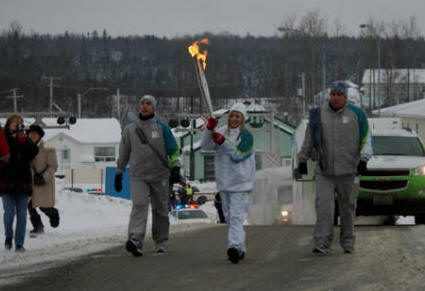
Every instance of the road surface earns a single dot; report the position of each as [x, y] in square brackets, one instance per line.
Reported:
[278, 258]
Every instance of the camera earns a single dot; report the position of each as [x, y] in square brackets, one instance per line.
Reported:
[19, 128]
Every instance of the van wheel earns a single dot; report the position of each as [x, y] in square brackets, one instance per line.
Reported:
[420, 219]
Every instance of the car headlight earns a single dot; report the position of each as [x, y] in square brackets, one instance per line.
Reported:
[420, 171]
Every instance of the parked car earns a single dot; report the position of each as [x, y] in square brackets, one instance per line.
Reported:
[191, 215]
[73, 189]
[395, 180]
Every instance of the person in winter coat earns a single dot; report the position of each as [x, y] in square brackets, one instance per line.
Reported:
[4, 148]
[16, 181]
[337, 137]
[234, 166]
[150, 149]
[45, 165]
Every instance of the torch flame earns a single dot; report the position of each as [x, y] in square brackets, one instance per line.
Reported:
[196, 53]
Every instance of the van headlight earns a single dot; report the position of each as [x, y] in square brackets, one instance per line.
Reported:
[420, 171]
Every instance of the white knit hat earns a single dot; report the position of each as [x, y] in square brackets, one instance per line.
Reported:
[150, 98]
[240, 107]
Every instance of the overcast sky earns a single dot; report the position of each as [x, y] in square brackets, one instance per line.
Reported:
[179, 17]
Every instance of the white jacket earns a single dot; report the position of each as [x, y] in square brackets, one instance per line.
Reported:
[234, 160]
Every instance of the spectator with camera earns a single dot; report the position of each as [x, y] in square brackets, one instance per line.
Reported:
[43, 168]
[150, 149]
[16, 181]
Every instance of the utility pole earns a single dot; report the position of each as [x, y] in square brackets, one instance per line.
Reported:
[119, 103]
[15, 99]
[192, 153]
[51, 84]
[303, 92]
[79, 96]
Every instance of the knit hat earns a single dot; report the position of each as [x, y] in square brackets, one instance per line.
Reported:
[240, 107]
[339, 86]
[37, 128]
[150, 98]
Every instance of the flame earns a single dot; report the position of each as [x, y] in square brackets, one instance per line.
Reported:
[196, 53]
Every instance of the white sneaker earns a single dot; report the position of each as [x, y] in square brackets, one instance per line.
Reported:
[160, 248]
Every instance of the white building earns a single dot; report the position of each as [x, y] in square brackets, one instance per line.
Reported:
[412, 115]
[389, 86]
[90, 142]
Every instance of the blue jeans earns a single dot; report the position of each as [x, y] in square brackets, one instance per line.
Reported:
[235, 208]
[15, 204]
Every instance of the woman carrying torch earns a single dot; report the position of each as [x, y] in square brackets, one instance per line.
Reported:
[234, 164]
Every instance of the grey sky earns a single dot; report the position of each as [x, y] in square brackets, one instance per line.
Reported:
[176, 18]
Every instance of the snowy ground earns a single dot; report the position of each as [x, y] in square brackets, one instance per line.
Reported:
[89, 223]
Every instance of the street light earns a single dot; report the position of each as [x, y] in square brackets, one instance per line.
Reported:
[79, 96]
[378, 47]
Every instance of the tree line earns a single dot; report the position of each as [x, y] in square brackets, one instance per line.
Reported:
[237, 66]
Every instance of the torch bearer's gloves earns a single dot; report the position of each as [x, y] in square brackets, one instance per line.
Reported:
[212, 123]
[218, 138]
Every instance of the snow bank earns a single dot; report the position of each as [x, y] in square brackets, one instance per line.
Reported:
[89, 223]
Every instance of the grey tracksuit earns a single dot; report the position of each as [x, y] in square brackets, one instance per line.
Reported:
[343, 139]
[149, 177]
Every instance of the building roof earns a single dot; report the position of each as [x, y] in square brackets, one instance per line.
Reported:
[414, 109]
[89, 130]
[394, 75]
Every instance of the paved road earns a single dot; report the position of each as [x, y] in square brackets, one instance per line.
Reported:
[278, 258]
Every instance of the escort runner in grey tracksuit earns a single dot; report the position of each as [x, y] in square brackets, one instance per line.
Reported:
[149, 176]
[338, 138]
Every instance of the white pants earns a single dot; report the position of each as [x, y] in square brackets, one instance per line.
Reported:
[234, 208]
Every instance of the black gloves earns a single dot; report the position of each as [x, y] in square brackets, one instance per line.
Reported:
[302, 168]
[361, 168]
[175, 175]
[300, 171]
[118, 182]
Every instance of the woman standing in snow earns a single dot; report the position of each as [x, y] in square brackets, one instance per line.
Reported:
[16, 181]
[234, 172]
[44, 165]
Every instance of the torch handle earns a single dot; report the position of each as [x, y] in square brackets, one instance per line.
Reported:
[203, 86]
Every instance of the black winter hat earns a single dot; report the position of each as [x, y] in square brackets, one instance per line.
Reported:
[37, 129]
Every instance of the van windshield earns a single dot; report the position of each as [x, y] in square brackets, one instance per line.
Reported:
[397, 146]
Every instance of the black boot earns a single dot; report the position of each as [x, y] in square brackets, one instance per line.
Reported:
[8, 243]
[234, 255]
[54, 217]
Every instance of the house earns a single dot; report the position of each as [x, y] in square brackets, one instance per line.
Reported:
[392, 86]
[90, 142]
[412, 115]
[272, 137]
[84, 149]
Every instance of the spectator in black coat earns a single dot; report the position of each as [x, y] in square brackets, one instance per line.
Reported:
[16, 181]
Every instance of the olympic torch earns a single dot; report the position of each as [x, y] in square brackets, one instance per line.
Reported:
[200, 59]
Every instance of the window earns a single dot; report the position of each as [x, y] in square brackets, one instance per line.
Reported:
[209, 168]
[258, 160]
[64, 158]
[104, 154]
[397, 146]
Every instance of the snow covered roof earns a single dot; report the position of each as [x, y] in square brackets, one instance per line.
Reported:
[255, 107]
[89, 130]
[415, 109]
[393, 75]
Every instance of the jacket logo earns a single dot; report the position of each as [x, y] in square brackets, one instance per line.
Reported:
[155, 134]
[345, 119]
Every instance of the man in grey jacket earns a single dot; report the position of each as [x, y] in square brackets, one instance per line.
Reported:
[150, 149]
[337, 137]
